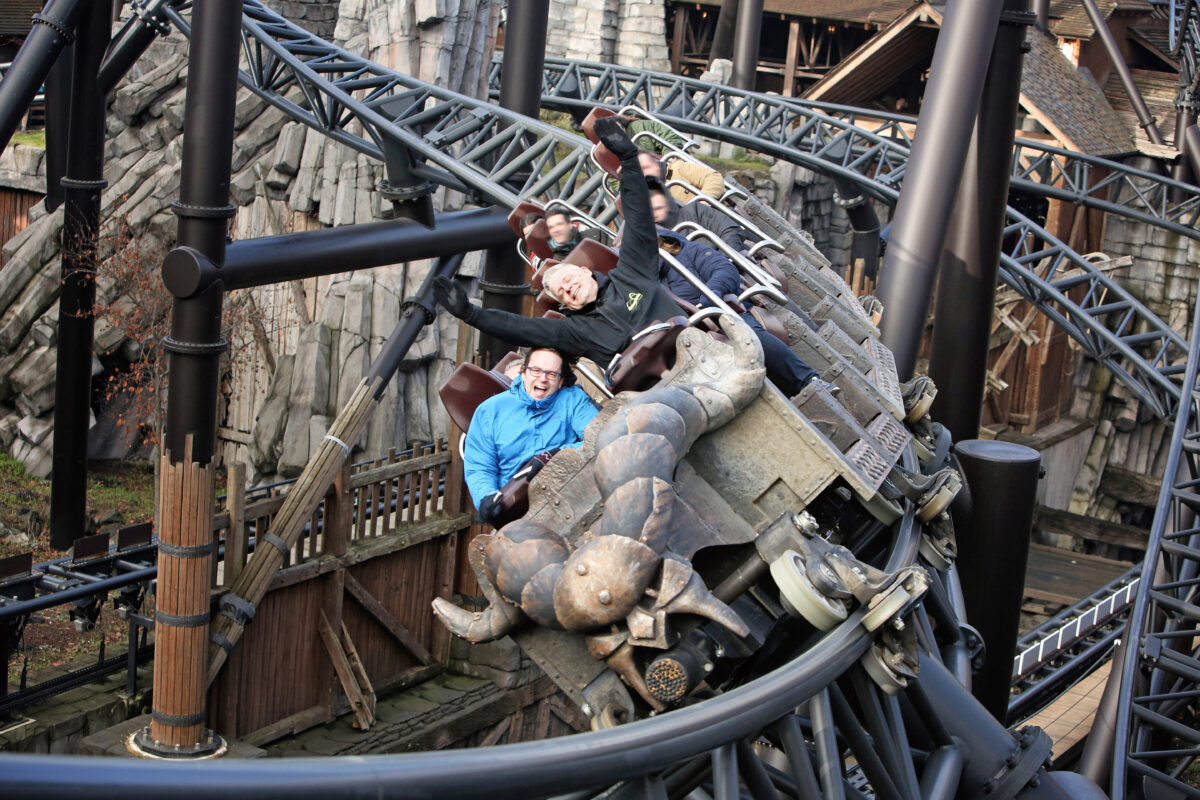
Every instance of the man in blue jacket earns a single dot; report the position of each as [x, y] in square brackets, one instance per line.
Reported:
[540, 413]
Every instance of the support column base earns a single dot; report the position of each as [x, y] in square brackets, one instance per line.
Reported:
[142, 745]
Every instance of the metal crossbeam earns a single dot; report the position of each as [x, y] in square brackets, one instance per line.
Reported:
[1160, 679]
[823, 129]
[424, 132]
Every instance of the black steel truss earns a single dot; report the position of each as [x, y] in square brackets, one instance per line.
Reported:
[849, 136]
[423, 132]
[1156, 739]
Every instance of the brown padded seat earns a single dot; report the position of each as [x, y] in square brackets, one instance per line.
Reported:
[467, 387]
[647, 359]
[607, 161]
[590, 120]
[538, 238]
[593, 255]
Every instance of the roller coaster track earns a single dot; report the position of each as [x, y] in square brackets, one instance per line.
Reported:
[1037, 168]
[423, 132]
[1112, 325]
[1156, 736]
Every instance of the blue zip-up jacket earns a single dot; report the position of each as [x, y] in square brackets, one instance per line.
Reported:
[510, 428]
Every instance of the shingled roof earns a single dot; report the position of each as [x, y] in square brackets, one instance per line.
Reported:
[1069, 19]
[1068, 103]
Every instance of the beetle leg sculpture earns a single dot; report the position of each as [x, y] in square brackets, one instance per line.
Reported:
[478, 626]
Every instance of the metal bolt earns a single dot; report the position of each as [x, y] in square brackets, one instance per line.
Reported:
[708, 667]
[581, 569]
[586, 709]
[604, 597]
[898, 624]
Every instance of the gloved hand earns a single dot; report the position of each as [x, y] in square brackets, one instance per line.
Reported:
[613, 136]
[489, 508]
[534, 465]
[451, 296]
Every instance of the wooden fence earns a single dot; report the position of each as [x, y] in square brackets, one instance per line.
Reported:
[349, 614]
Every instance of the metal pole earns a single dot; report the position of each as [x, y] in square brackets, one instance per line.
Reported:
[864, 247]
[1181, 170]
[293, 256]
[971, 260]
[83, 183]
[195, 345]
[993, 545]
[57, 106]
[503, 283]
[1042, 7]
[935, 163]
[722, 42]
[745, 44]
[53, 29]
[1145, 119]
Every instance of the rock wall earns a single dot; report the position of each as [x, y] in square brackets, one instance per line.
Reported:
[322, 332]
[632, 32]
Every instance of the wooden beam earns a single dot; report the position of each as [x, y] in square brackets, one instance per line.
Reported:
[387, 620]
[793, 53]
[1127, 486]
[1094, 530]
[363, 718]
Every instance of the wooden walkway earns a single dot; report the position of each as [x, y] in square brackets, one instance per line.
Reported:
[1068, 720]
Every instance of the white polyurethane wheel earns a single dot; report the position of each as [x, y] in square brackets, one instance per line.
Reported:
[800, 597]
[940, 500]
[888, 606]
[933, 554]
[921, 407]
[883, 675]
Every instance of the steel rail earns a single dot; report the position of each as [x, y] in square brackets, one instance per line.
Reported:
[1161, 671]
[500, 156]
[1037, 168]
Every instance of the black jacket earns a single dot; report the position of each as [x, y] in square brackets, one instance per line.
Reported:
[628, 301]
[706, 217]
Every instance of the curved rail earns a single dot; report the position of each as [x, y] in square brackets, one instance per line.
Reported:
[855, 133]
[1111, 324]
[425, 133]
[1160, 678]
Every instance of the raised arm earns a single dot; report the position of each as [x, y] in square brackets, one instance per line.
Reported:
[639, 242]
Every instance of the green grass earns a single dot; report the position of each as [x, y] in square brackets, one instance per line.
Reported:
[33, 138]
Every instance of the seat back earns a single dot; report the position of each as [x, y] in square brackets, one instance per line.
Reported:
[649, 357]
[605, 159]
[467, 387]
[589, 122]
[593, 255]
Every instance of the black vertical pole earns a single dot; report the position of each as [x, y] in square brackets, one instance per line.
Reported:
[83, 183]
[967, 283]
[503, 283]
[1145, 118]
[993, 545]
[195, 344]
[1185, 117]
[745, 44]
[52, 30]
[934, 164]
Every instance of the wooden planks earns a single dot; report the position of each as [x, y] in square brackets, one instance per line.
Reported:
[1068, 720]
[1064, 577]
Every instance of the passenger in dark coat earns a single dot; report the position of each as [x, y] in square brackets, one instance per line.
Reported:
[784, 368]
[668, 213]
